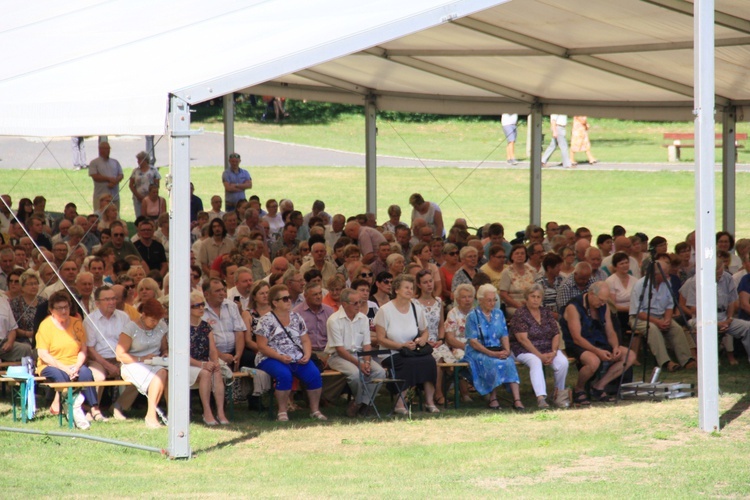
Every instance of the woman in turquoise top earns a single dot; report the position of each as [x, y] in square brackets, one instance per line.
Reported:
[486, 332]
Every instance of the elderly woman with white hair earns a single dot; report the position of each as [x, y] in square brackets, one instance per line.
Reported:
[469, 257]
[396, 264]
[488, 349]
[455, 331]
[535, 342]
[143, 177]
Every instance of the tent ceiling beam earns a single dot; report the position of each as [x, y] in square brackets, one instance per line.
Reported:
[590, 61]
[720, 18]
[457, 76]
[591, 51]
[332, 81]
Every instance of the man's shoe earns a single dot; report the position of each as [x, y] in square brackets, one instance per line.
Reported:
[351, 410]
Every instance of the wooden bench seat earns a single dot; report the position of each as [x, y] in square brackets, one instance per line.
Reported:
[679, 140]
[69, 386]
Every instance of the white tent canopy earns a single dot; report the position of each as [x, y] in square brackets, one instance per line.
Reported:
[94, 67]
[107, 67]
[626, 59]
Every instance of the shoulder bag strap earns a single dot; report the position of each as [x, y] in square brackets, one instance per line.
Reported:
[414, 311]
[479, 326]
[287, 334]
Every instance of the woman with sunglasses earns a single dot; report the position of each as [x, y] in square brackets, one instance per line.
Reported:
[284, 351]
[381, 291]
[61, 347]
[361, 272]
[204, 363]
[451, 264]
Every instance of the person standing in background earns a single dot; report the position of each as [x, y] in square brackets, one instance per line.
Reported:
[557, 125]
[510, 127]
[106, 173]
[79, 153]
[579, 140]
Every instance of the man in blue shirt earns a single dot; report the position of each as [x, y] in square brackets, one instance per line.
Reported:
[662, 329]
[236, 181]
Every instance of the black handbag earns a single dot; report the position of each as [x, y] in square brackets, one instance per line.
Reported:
[420, 350]
[493, 348]
[314, 359]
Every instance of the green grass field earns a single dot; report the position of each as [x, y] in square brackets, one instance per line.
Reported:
[655, 203]
[632, 450]
[611, 140]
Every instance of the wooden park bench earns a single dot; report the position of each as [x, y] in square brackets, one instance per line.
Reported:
[675, 141]
[69, 386]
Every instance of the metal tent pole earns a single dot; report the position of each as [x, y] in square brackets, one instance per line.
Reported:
[179, 280]
[371, 151]
[228, 128]
[728, 166]
[705, 246]
[535, 124]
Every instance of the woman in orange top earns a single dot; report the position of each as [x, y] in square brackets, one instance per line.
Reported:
[61, 347]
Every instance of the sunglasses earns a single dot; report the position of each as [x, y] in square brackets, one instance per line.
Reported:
[129, 287]
[387, 282]
[234, 155]
[118, 235]
[452, 254]
[197, 306]
[196, 276]
[285, 298]
[365, 275]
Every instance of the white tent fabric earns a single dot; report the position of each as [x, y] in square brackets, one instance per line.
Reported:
[606, 58]
[91, 67]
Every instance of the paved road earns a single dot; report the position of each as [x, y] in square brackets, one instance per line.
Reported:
[207, 150]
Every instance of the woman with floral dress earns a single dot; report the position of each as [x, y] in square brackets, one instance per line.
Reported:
[488, 349]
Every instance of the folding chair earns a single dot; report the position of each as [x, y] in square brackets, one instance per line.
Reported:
[378, 382]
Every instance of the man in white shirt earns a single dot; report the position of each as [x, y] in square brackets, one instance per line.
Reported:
[226, 322]
[243, 285]
[103, 328]
[557, 126]
[349, 332]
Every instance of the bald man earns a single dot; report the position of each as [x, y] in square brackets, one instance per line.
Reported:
[367, 238]
[106, 173]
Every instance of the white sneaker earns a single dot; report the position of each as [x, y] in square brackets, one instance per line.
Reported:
[79, 417]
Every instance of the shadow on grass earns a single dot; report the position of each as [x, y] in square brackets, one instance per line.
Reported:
[740, 407]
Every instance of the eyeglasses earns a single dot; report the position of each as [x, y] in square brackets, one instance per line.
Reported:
[197, 306]
[196, 276]
[234, 155]
[357, 302]
[452, 254]
[387, 282]
[108, 299]
[285, 298]
[118, 235]
[365, 275]
[128, 287]
[61, 308]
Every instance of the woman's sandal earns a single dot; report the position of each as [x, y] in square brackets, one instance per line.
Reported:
[497, 404]
[601, 396]
[581, 399]
[318, 416]
[282, 416]
[431, 409]
[440, 401]
[518, 405]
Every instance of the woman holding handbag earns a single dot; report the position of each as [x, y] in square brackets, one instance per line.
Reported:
[401, 327]
[488, 349]
[284, 352]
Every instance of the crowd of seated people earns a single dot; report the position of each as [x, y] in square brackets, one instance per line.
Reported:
[296, 293]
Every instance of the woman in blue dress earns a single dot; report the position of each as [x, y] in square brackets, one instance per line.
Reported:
[488, 349]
